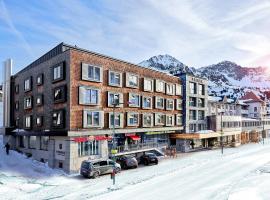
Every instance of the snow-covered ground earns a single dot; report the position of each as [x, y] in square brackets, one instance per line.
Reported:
[241, 173]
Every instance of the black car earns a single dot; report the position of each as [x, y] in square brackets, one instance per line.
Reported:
[148, 158]
[127, 161]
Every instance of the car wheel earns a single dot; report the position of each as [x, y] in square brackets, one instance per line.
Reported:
[95, 175]
[156, 162]
[125, 166]
[146, 162]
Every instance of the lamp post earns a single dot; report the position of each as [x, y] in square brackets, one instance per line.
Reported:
[221, 132]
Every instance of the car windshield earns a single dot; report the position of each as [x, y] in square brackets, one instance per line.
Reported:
[151, 155]
[86, 165]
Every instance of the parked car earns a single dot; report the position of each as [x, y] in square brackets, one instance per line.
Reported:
[99, 167]
[148, 158]
[127, 161]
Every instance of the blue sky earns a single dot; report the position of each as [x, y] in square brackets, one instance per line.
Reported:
[197, 32]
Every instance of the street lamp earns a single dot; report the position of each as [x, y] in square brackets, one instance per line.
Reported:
[263, 133]
[221, 132]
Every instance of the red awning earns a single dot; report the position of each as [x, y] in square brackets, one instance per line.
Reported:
[134, 137]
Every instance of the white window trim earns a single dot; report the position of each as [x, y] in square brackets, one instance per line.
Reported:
[128, 116]
[167, 104]
[152, 119]
[85, 76]
[176, 122]
[127, 80]
[159, 124]
[178, 89]
[121, 101]
[167, 121]
[81, 99]
[143, 97]
[145, 83]
[121, 120]
[101, 119]
[157, 89]
[24, 103]
[156, 99]
[179, 101]
[30, 118]
[109, 78]
[129, 100]
[172, 92]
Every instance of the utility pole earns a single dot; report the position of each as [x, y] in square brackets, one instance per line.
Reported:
[221, 133]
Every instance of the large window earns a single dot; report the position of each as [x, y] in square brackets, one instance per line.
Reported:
[159, 102]
[115, 99]
[58, 72]
[160, 119]
[179, 119]
[169, 104]
[160, 86]
[118, 119]
[146, 102]
[192, 101]
[115, 79]
[134, 100]
[91, 73]
[59, 94]
[58, 119]
[170, 89]
[178, 104]
[201, 89]
[178, 89]
[28, 102]
[132, 80]
[132, 119]
[28, 122]
[32, 142]
[89, 96]
[169, 120]
[88, 148]
[93, 119]
[28, 84]
[148, 85]
[200, 115]
[44, 143]
[192, 115]
[192, 88]
[148, 120]
[201, 102]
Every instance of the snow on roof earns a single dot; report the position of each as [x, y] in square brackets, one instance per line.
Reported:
[214, 99]
[251, 97]
[205, 131]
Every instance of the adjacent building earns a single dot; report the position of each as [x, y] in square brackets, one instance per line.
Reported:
[68, 104]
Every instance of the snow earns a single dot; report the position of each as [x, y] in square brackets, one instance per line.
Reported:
[240, 173]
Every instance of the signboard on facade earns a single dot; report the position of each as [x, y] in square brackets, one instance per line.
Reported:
[158, 132]
[92, 138]
[60, 150]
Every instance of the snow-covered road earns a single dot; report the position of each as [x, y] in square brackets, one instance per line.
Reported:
[238, 174]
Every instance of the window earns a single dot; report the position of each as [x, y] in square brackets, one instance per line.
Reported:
[170, 89]
[192, 115]
[192, 88]
[115, 98]
[148, 120]
[179, 119]
[17, 122]
[17, 89]
[169, 120]
[134, 100]
[169, 104]
[59, 94]
[178, 89]
[255, 109]
[132, 80]
[159, 102]
[192, 101]
[201, 102]
[132, 119]
[39, 121]
[192, 127]
[160, 119]
[146, 102]
[89, 96]
[58, 72]
[93, 119]
[178, 104]
[88, 148]
[28, 122]
[117, 119]
[32, 142]
[28, 84]
[160, 86]
[39, 100]
[28, 102]
[44, 143]
[148, 85]
[115, 79]
[201, 89]
[39, 79]
[200, 115]
[91, 73]
[58, 119]
[16, 105]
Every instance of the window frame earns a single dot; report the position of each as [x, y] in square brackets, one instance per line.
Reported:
[145, 84]
[147, 115]
[130, 104]
[101, 118]
[26, 123]
[110, 81]
[157, 98]
[172, 118]
[85, 77]
[63, 90]
[62, 72]
[128, 75]
[179, 104]
[167, 104]
[157, 86]
[176, 120]
[17, 89]
[62, 119]
[41, 79]
[81, 98]
[178, 89]
[30, 84]
[162, 116]
[41, 121]
[24, 102]
[120, 99]
[129, 117]
[151, 102]
[170, 89]
[41, 100]
[121, 119]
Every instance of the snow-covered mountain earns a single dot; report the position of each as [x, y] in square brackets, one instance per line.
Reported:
[225, 78]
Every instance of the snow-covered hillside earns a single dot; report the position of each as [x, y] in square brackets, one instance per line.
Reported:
[225, 78]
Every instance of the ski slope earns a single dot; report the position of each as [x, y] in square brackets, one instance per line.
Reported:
[241, 173]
